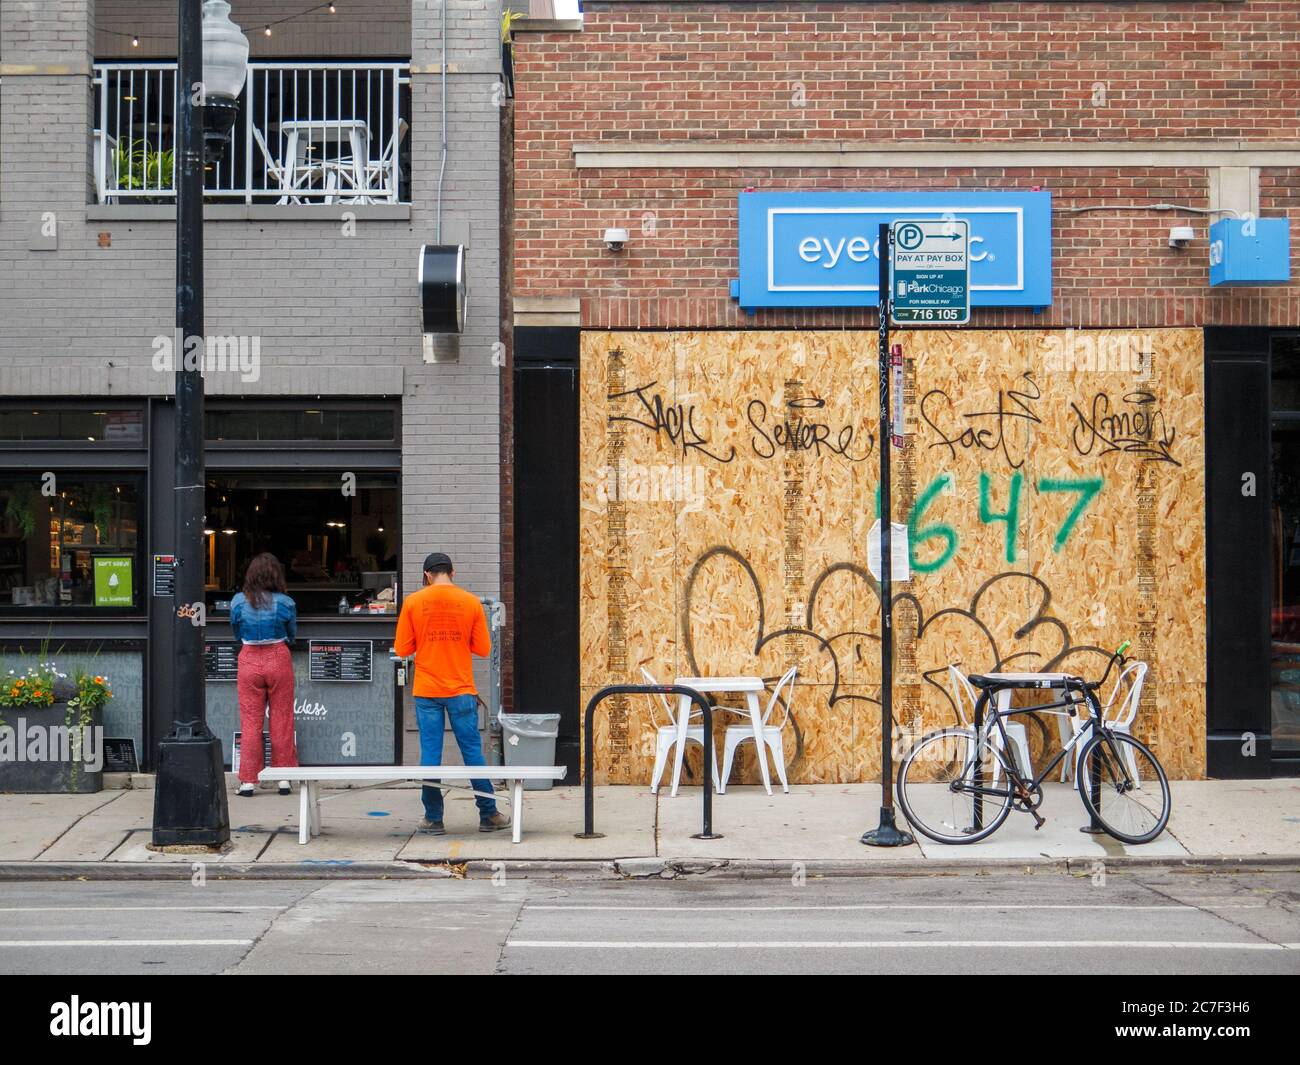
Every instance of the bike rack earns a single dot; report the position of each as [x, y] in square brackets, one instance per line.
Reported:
[588, 775]
[1093, 828]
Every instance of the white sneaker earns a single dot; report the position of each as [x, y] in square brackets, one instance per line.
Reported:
[246, 790]
[284, 787]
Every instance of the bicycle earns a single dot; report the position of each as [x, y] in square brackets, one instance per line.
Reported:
[949, 784]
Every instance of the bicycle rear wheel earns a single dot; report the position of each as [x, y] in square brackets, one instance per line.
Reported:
[1132, 801]
[944, 787]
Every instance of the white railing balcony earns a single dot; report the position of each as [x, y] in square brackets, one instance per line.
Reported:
[307, 133]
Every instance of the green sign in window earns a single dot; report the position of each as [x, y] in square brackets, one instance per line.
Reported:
[114, 584]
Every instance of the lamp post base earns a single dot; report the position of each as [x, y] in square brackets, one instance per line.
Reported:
[887, 834]
[189, 799]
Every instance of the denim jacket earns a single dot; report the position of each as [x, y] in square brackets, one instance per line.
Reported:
[272, 622]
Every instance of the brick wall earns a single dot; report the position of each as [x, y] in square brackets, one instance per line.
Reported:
[802, 75]
[338, 314]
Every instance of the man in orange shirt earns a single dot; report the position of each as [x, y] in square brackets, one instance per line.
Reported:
[443, 625]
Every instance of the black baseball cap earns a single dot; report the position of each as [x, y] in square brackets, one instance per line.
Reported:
[433, 561]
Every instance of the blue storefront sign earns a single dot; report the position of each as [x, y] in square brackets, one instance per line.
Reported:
[820, 249]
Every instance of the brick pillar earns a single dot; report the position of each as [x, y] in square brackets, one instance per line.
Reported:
[46, 54]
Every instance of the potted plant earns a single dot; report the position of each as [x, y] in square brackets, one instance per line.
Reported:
[508, 20]
[138, 166]
[51, 730]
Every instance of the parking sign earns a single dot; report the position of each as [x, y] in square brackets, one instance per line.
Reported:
[930, 279]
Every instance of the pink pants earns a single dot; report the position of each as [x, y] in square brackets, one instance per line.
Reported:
[265, 676]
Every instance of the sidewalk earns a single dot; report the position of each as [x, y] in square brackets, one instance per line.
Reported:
[370, 831]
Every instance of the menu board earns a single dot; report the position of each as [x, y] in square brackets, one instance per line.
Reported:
[164, 575]
[343, 660]
[221, 660]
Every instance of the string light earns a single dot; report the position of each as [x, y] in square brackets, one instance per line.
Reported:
[136, 38]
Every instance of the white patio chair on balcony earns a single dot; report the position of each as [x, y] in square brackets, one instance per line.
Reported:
[289, 181]
[105, 147]
[381, 175]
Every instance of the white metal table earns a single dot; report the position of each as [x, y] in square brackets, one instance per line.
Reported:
[1051, 681]
[352, 131]
[750, 687]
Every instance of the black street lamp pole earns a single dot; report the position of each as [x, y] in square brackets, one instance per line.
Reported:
[886, 834]
[190, 804]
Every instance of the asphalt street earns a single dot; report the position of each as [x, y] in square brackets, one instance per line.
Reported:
[1158, 921]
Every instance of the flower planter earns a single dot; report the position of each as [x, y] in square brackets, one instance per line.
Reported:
[35, 752]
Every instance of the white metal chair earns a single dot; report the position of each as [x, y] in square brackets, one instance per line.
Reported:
[668, 735]
[766, 738]
[965, 697]
[381, 175]
[289, 182]
[1118, 712]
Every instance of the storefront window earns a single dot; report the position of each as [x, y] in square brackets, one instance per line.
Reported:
[70, 542]
[1286, 545]
[325, 425]
[336, 540]
[56, 424]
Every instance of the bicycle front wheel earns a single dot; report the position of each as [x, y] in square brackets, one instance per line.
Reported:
[946, 787]
[1130, 799]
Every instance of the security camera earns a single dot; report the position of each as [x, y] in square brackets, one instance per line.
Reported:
[1181, 236]
[615, 239]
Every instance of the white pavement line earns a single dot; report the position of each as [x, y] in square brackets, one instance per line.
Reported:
[888, 944]
[125, 942]
[687, 909]
[215, 908]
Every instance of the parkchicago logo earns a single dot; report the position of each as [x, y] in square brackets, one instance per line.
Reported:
[77, 1018]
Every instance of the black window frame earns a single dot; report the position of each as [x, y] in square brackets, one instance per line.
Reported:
[378, 403]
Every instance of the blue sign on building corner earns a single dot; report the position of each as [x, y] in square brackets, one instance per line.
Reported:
[821, 249]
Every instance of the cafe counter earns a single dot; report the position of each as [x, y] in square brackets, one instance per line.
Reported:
[347, 702]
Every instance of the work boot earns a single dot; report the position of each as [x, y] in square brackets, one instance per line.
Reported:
[432, 828]
[494, 823]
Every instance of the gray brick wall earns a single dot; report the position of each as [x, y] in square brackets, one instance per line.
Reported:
[337, 315]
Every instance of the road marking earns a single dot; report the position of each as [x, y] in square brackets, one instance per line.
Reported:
[127, 909]
[126, 942]
[901, 906]
[887, 944]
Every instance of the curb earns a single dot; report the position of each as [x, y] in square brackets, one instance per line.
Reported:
[629, 868]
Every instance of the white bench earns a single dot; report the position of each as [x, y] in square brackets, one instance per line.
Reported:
[310, 777]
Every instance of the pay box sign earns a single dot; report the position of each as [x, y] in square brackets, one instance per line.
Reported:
[821, 249]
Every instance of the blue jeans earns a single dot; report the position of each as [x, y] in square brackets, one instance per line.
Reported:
[463, 711]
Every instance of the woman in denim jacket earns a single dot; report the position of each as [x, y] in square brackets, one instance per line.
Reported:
[265, 622]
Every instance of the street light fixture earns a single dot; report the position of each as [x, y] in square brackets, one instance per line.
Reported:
[225, 66]
[190, 805]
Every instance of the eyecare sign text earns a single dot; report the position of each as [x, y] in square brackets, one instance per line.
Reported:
[821, 249]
